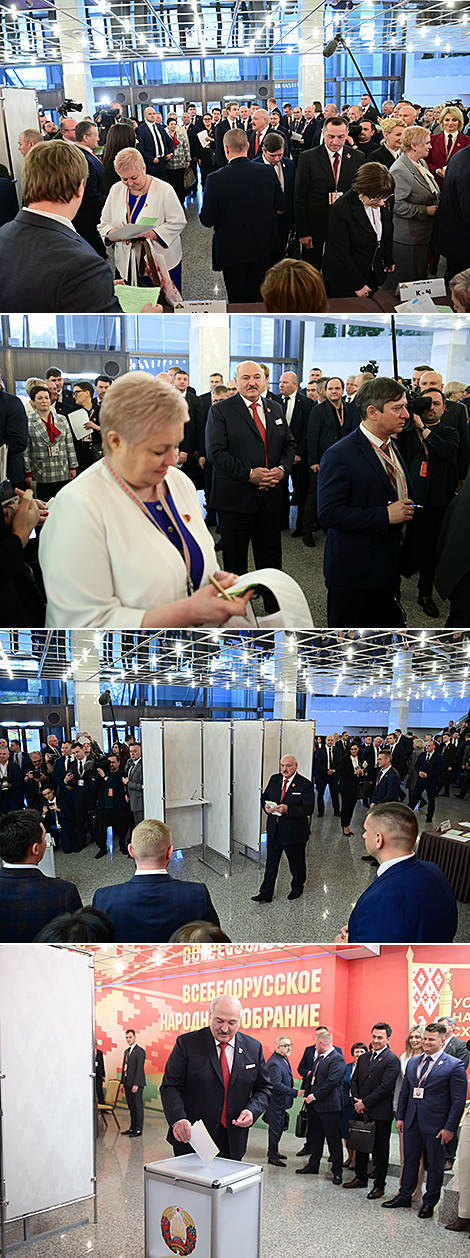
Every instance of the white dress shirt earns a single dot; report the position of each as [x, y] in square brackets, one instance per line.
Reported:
[395, 861]
[230, 1051]
[377, 442]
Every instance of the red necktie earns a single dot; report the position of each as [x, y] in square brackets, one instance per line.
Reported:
[257, 143]
[335, 168]
[260, 427]
[379, 775]
[283, 791]
[226, 1078]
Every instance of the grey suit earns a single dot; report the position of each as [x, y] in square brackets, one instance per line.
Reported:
[135, 791]
[412, 226]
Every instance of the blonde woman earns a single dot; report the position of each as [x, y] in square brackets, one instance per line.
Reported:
[415, 206]
[412, 776]
[413, 1048]
[390, 147]
[136, 196]
[446, 143]
[454, 391]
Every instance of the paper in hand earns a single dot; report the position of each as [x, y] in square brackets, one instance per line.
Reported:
[202, 1143]
[132, 299]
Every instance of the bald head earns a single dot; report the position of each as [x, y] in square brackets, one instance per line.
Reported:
[250, 380]
[430, 379]
[288, 383]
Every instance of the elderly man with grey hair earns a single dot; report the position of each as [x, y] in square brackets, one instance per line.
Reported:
[323, 1093]
[219, 1075]
[282, 1096]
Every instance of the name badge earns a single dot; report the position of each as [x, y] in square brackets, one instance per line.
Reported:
[80, 782]
[251, 1067]
[334, 196]
[54, 452]
[423, 471]
[418, 1093]
[110, 790]
[278, 421]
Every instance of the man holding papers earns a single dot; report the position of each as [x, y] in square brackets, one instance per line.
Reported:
[288, 802]
[218, 1075]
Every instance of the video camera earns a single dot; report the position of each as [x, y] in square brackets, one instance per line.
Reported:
[373, 367]
[416, 404]
[69, 107]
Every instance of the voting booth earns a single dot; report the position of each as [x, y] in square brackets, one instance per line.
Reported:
[205, 778]
[204, 1211]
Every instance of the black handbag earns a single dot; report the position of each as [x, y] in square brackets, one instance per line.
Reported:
[293, 246]
[301, 1123]
[361, 1135]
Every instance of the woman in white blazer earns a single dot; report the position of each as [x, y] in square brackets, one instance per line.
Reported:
[139, 195]
[130, 549]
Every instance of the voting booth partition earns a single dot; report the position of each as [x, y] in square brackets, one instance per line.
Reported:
[47, 1103]
[18, 111]
[205, 778]
[191, 1208]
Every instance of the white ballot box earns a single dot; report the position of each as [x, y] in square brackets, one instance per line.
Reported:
[206, 1211]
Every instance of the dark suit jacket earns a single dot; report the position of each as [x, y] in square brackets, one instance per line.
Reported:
[99, 1065]
[305, 1065]
[457, 1048]
[445, 1094]
[292, 826]
[434, 769]
[192, 132]
[234, 446]
[313, 184]
[400, 757]
[387, 789]
[150, 907]
[411, 902]
[437, 157]
[454, 543]
[69, 277]
[135, 1076]
[146, 144]
[240, 233]
[454, 214]
[29, 900]
[373, 1083]
[252, 144]
[14, 797]
[442, 443]
[327, 1086]
[283, 1092]
[8, 200]
[353, 256]
[299, 420]
[320, 766]
[284, 224]
[383, 155]
[221, 130]
[13, 434]
[86, 795]
[454, 417]
[323, 430]
[89, 214]
[192, 1085]
[362, 548]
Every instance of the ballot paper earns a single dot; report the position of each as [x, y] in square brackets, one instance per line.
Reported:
[417, 305]
[132, 299]
[457, 834]
[204, 139]
[203, 1143]
[132, 230]
[272, 804]
[293, 606]
[77, 421]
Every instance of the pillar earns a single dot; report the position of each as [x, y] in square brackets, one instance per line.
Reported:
[209, 349]
[285, 676]
[401, 682]
[311, 62]
[449, 350]
[88, 713]
[78, 83]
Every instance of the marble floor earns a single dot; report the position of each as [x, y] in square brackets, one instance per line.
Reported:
[300, 1215]
[336, 878]
[200, 282]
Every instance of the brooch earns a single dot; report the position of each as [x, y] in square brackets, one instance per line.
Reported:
[187, 518]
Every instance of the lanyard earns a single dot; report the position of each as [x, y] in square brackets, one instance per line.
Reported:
[132, 215]
[161, 498]
[421, 1077]
[398, 471]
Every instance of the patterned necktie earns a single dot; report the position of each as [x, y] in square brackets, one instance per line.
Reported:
[257, 144]
[379, 775]
[450, 140]
[385, 447]
[260, 427]
[226, 1078]
[158, 143]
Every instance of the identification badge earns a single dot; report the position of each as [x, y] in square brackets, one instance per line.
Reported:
[334, 196]
[278, 421]
[418, 1093]
[80, 782]
[54, 452]
[110, 790]
[423, 471]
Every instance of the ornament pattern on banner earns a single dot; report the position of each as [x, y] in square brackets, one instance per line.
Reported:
[428, 981]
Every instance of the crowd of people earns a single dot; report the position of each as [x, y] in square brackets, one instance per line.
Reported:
[79, 796]
[363, 197]
[382, 473]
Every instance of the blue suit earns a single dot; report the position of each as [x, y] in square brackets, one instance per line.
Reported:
[434, 768]
[281, 1098]
[325, 1083]
[364, 554]
[29, 900]
[150, 907]
[411, 902]
[289, 168]
[323, 779]
[388, 788]
[441, 1107]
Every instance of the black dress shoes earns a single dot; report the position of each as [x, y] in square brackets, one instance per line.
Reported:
[428, 605]
[98, 855]
[297, 533]
[295, 895]
[375, 1194]
[337, 1179]
[276, 1162]
[129, 1132]
[262, 899]
[308, 540]
[426, 1212]
[303, 1153]
[396, 1203]
[135, 1133]
[306, 1170]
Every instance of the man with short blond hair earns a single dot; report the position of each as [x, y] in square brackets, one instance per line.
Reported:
[27, 139]
[244, 246]
[152, 905]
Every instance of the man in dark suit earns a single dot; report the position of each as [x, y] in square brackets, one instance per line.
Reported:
[63, 766]
[18, 756]
[11, 782]
[230, 123]
[455, 1048]
[372, 1088]
[80, 781]
[452, 579]
[430, 1106]
[449, 754]
[99, 1075]
[369, 138]
[400, 756]
[429, 449]
[133, 1083]
[218, 1075]
[152, 905]
[69, 275]
[273, 153]
[430, 770]
[323, 1096]
[251, 449]
[154, 144]
[327, 764]
[370, 757]
[88, 216]
[364, 499]
[409, 901]
[28, 899]
[261, 128]
[245, 244]
[14, 435]
[296, 409]
[134, 783]
[110, 804]
[387, 782]
[288, 801]
[281, 1098]
[454, 215]
[322, 175]
[193, 429]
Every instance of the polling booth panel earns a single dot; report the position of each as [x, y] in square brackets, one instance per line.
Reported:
[152, 769]
[18, 111]
[247, 773]
[203, 1211]
[271, 751]
[297, 740]
[216, 751]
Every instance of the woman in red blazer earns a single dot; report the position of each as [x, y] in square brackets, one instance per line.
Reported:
[446, 142]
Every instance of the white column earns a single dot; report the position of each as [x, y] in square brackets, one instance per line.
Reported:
[449, 353]
[311, 62]
[209, 349]
[401, 682]
[285, 676]
[78, 83]
[88, 713]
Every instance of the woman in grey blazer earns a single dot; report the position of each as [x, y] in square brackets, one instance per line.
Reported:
[415, 206]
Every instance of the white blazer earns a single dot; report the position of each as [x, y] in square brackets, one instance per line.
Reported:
[161, 203]
[104, 563]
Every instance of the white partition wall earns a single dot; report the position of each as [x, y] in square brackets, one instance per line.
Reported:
[297, 739]
[152, 769]
[272, 750]
[216, 750]
[19, 109]
[47, 1085]
[247, 775]
[182, 758]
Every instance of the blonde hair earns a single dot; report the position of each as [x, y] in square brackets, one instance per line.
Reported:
[390, 124]
[294, 286]
[413, 135]
[138, 404]
[452, 387]
[454, 113]
[32, 381]
[128, 159]
[236, 141]
[151, 838]
[53, 171]
[460, 288]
